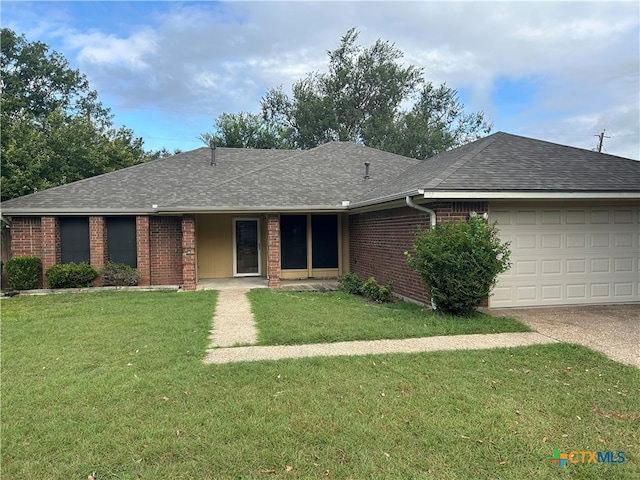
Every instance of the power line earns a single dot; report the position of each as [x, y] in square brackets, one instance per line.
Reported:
[601, 137]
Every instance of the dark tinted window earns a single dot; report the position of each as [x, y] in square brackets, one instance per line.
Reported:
[293, 234]
[74, 240]
[121, 240]
[324, 238]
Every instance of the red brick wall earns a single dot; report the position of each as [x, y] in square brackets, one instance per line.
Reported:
[26, 239]
[378, 240]
[273, 250]
[51, 254]
[189, 252]
[165, 250]
[26, 236]
[159, 245]
[143, 260]
[97, 245]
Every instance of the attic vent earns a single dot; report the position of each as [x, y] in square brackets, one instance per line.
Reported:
[366, 169]
[212, 146]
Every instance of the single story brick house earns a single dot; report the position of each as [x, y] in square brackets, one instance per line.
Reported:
[572, 216]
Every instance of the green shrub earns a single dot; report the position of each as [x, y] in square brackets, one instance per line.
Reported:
[375, 291]
[459, 262]
[22, 272]
[119, 274]
[351, 282]
[71, 275]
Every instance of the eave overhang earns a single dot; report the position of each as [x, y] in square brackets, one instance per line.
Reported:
[391, 201]
[387, 201]
[528, 195]
[160, 210]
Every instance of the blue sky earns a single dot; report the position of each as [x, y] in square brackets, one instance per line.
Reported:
[557, 71]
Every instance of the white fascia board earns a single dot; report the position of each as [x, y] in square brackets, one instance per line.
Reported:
[61, 212]
[431, 195]
[255, 209]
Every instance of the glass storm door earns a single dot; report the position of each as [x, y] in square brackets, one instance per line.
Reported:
[246, 247]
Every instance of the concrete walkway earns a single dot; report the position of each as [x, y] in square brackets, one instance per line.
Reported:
[374, 347]
[233, 322]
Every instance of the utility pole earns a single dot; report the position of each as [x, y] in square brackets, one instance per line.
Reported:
[601, 138]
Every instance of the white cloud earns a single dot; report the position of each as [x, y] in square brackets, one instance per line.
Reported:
[107, 50]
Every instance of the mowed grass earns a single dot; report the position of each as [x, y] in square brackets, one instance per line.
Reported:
[114, 382]
[291, 318]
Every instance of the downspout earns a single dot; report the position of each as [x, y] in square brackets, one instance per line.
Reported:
[432, 221]
[432, 214]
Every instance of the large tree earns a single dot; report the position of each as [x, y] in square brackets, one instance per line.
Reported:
[244, 130]
[368, 97]
[54, 129]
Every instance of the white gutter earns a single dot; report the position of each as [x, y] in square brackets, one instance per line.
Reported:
[531, 195]
[432, 214]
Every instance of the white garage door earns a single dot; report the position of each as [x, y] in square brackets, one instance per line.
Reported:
[568, 255]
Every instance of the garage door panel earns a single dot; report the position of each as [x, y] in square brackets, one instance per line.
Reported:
[551, 267]
[576, 240]
[600, 240]
[624, 289]
[600, 265]
[575, 217]
[599, 216]
[551, 292]
[551, 240]
[569, 255]
[526, 293]
[551, 217]
[525, 217]
[525, 241]
[623, 239]
[623, 216]
[526, 267]
[623, 264]
[577, 291]
[600, 290]
[576, 266]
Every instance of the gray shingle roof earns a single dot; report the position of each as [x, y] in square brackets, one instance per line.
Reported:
[502, 162]
[242, 179]
[323, 177]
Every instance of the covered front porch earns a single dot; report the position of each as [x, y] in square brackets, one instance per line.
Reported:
[270, 248]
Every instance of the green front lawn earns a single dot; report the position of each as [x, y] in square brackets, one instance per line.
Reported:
[293, 318]
[114, 382]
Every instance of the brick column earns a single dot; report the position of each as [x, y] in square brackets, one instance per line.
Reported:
[97, 245]
[143, 252]
[50, 245]
[273, 250]
[189, 252]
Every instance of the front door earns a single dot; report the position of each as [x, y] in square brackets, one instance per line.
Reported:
[246, 247]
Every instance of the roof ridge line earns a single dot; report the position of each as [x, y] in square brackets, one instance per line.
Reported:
[458, 164]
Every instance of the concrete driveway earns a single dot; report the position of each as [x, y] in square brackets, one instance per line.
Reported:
[611, 329]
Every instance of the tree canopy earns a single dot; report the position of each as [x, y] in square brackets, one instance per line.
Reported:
[368, 97]
[54, 129]
[244, 130]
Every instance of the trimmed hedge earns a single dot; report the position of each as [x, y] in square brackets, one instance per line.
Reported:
[353, 284]
[119, 275]
[71, 275]
[375, 291]
[22, 272]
